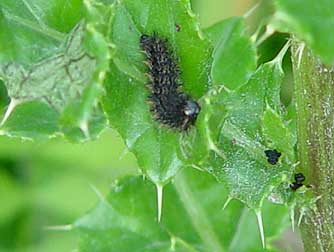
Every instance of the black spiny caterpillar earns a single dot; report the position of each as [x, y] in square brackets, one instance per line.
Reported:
[169, 104]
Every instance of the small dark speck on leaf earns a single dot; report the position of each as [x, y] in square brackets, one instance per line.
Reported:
[299, 179]
[272, 156]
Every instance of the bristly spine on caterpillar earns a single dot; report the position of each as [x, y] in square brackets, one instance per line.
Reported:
[169, 104]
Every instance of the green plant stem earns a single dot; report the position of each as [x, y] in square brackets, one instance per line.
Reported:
[197, 214]
[314, 94]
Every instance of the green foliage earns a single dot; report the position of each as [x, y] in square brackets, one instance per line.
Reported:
[245, 169]
[193, 219]
[277, 134]
[311, 21]
[126, 101]
[229, 68]
[72, 69]
[55, 89]
[43, 185]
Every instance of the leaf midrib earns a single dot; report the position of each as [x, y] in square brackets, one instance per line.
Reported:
[47, 31]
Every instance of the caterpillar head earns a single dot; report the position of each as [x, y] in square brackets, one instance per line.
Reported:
[191, 110]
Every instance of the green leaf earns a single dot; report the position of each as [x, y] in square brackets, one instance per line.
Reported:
[234, 55]
[244, 167]
[4, 100]
[67, 78]
[42, 81]
[27, 35]
[155, 146]
[198, 144]
[84, 116]
[21, 124]
[230, 140]
[275, 220]
[247, 104]
[193, 220]
[277, 134]
[311, 21]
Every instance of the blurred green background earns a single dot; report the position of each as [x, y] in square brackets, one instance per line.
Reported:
[49, 183]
